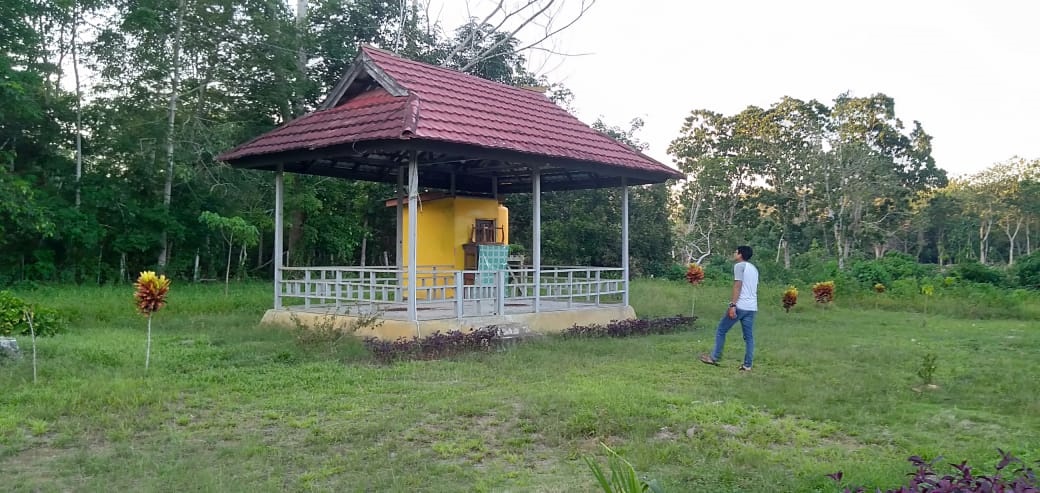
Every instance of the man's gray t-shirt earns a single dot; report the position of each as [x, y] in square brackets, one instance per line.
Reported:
[747, 274]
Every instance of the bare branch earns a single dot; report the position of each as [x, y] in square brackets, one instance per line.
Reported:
[541, 69]
[508, 37]
[473, 32]
[559, 53]
[585, 6]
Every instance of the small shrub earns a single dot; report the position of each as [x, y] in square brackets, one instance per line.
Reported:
[823, 292]
[1027, 271]
[870, 272]
[900, 265]
[326, 333]
[633, 327]
[978, 273]
[965, 480]
[814, 264]
[879, 288]
[904, 288]
[434, 346]
[46, 322]
[927, 369]
[790, 298]
[675, 272]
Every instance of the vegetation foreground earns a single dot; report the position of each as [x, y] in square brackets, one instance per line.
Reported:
[229, 406]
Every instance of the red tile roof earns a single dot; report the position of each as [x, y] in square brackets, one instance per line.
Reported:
[444, 105]
[373, 115]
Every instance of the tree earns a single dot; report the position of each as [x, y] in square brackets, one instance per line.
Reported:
[1002, 196]
[497, 35]
[583, 227]
[885, 165]
[721, 161]
[232, 229]
[799, 168]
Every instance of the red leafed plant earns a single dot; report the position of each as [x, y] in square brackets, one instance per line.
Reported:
[790, 298]
[694, 274]
[150, 296]
[151, 292]
[823, 292]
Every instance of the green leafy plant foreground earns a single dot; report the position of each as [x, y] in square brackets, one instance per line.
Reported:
[623, 477]
[13, 322]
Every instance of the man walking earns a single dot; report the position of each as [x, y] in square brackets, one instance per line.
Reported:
[743, 305]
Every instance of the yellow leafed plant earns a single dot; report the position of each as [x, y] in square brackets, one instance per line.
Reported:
[790, 298]
[823, 292]
[150, 296]
[694, 276]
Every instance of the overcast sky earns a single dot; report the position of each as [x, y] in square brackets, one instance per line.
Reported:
[967, 70]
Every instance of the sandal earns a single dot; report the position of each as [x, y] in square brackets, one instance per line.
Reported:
[708, 360]
[744, 369]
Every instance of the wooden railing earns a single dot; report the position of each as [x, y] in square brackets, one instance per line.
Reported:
[443, 289]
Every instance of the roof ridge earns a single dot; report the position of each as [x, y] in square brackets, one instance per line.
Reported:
[456, 73]
[430, 105]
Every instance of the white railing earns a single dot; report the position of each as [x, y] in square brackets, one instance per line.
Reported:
[450, 293]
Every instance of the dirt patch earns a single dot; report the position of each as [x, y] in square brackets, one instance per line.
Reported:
[665, 435]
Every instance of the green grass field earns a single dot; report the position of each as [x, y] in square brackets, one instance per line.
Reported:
[230, 406]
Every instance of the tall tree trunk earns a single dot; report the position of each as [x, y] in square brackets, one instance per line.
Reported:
[260, 251]
[170, 119]
[920, 246]
[241, 262]
[79, 107]
[984, 228]
[297, 216]
[1029, 249]
[227, 272]
[301, 56]
[879, 250]
[296, 219]
[364, 242]
[940, 247]
[1011, 238]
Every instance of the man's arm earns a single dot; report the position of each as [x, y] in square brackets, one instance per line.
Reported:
[732, 312]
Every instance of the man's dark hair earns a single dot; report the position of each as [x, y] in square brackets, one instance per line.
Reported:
[745, 252]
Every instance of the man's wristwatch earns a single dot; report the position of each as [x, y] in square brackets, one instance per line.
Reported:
[732, 305]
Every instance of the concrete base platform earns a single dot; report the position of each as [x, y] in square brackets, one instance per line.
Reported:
[393, 327]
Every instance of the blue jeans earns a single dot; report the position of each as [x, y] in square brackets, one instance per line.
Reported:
[747, 323]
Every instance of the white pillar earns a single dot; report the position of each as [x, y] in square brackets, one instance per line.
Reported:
[624, 239]
[413, 225]
[536, 246]
[279, 227]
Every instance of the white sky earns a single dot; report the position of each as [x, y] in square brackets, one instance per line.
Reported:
[969, 71]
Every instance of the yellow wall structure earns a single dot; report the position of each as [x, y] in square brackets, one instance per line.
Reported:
[445, 224]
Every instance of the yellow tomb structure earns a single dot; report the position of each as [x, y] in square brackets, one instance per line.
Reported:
[459, 233]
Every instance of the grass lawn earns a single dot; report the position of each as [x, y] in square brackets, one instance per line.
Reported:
[230, 406]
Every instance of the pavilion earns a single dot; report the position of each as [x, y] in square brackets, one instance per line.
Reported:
[394, 120]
